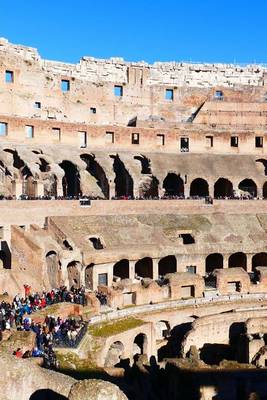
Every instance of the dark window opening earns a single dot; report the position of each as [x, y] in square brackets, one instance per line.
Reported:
[259, 141]
[248, 187]
[238, 260]
[161, 139]
[187, 238]
[96, 243]
[67, 245]
[223, 188]
[123, 180]
[103, 279]
[92, 110]
[234, 141]
[121, 269]
[167, 265]
[199, 188]
[209, 141]
[144, 268]
[135, 138]
[37, 104]
[184, 145]
[109, 137]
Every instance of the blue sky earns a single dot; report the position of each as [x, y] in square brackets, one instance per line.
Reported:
[212, 31]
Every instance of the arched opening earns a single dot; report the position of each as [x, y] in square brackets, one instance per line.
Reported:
[71, 179]
[199, 187]
[52, 264]
[121, 269]
[167, 265]
[173, 185]
[140, 344]
[149, 187]
[74, 269]
[96, 242]
[114, 354]
[145, 164]
[95, 169]
[123, 180]
[223, 188]
[259, 260]
[89, 276]
[144, 268]
[214, 261]
[238, 260]
[264, 164]
[5, 255]
[248, 187]
[264, 190]
[30, 187]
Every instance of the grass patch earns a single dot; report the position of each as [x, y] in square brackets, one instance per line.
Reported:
[70, 364]
[112, 328]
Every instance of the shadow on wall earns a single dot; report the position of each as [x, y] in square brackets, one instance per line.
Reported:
[47, 394]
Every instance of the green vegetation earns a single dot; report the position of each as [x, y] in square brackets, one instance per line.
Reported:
[70, 364]
[112, 328]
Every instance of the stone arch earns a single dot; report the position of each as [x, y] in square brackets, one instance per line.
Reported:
[52, 265]
[123, 180]
[74, 274]
[259, 260]
[89, 276]
[223, 188]
[96, 242]
[115, 354]
[144, 268]
[173, 185]
[199, 187]
[214, 261]
[50, 185]
[145, 164]
[264, 190]
[140, 344]
[95, 169]
[71, 179]
[264, 163]
[248, 186]
[5, 255]
[238, 260]
[167, 265]
[121, 269]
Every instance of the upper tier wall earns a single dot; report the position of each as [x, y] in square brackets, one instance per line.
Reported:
[91, 99]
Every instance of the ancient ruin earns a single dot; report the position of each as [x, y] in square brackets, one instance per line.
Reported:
[145, 185]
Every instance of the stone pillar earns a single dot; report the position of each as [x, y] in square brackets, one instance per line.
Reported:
[39, 189]
[155, 262]
[17, 188]
[131, 269]
[186, 190]
[82, 275]
[59, 187]
[111, 189]
[249, 262]
[260, 192]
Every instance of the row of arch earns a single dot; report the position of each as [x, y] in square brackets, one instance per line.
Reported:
[116, 352]
[172, 185]
[239, 259]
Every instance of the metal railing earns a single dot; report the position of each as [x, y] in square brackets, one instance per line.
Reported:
[66, 342]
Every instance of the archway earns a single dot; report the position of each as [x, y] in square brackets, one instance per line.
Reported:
[264, 191]
[52, 265]
[144, 268]
[199, 187]
[74, 269]
[95, 169]
[248, 186]
[223, 188]
[173, 185]
[123, 180]
[213, 261]
[50, 186]
[238, 260]
[259, 260]
[121, 269]
[114, 354]
[89, 276]
[167, 265]
[140, 344]
[71, 179]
